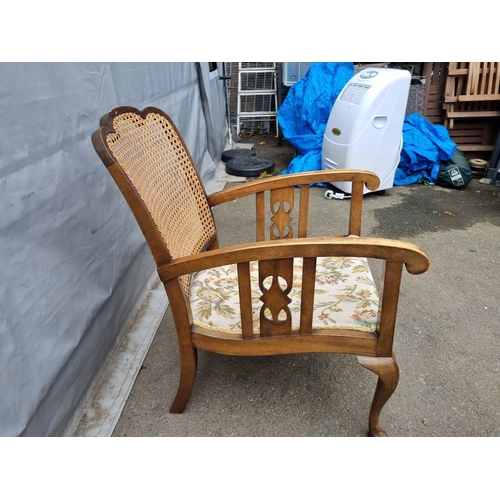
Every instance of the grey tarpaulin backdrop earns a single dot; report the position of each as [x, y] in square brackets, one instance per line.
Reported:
[73, 261]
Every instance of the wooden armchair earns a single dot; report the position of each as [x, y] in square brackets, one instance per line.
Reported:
[285, 293]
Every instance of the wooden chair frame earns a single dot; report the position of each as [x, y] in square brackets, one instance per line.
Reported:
[275, 248]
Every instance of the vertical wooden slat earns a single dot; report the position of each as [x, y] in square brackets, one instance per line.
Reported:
[356, 208]
[429, 78]
[307, 297]
[460, 88]
[388, 306]
[245, 293]
[260, 205]
[492, 87]
[449, 92]
[303, 210]
[491, 78]
[462, 80]
[473, 78]
[497, 78]
[485, 78]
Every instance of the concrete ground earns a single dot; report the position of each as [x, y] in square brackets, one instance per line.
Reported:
[447, 339]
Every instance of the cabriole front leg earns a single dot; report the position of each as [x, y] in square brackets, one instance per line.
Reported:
[388, 378]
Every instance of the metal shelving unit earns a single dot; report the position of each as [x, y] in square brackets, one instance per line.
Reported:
[257, 96]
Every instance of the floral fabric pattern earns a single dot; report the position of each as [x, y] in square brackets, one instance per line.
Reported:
[345, 296]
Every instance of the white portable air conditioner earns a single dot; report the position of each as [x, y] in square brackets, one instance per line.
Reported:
[364, 130]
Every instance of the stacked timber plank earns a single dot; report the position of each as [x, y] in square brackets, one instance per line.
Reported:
[471, 104]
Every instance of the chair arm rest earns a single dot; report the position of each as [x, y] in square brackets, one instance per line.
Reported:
[415, 259]
[369, 178]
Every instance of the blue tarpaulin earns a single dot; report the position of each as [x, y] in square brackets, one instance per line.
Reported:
[305, 111]
[424, 146]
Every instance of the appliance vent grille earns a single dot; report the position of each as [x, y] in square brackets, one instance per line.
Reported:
[354, 92]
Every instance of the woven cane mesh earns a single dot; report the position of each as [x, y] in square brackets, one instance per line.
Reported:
[154, 158]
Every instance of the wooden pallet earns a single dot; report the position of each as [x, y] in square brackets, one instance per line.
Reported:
[435, 78]
[469, 108]
[472, 91]
[475, 136]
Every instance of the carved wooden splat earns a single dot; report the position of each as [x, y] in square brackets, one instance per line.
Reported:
[275, 282]
[282, 203]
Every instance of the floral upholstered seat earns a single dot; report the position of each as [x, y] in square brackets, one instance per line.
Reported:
[345, 297]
